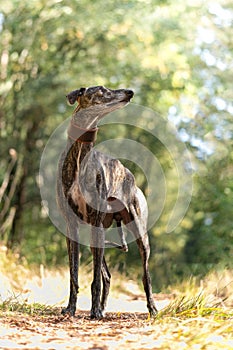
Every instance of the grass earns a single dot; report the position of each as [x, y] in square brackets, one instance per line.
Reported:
[196, 306]
[12, 305]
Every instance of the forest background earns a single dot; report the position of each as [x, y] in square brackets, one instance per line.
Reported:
[177, 57]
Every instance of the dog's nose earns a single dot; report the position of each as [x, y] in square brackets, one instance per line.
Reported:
[130, 93]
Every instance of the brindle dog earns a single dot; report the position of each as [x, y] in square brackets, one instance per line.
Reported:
[96, 189]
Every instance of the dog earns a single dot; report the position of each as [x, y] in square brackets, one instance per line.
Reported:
[95, 189]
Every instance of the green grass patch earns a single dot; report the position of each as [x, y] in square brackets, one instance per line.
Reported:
[193, 307]
[12, 305]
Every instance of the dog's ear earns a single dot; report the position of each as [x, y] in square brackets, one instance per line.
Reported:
[73, 96]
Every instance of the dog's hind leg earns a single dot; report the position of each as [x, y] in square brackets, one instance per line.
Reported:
[137, 227]
[73, 252]
[106, 277]
[144, 249]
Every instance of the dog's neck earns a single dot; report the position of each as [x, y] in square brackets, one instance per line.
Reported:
[86, 118]
[82, 130]
[79, 134]
[78, 150]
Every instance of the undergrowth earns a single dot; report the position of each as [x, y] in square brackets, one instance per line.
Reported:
[196, 306]
[12, 305]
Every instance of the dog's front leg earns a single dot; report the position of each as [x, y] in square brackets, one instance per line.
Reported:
[97, 248]
[73, 252]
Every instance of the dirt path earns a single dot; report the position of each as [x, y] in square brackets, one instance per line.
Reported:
[48, 329]
[121, 328]
[115, 331]
[29, 319]
[124, 327]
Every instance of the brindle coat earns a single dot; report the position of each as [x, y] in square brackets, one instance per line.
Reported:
[96, 189]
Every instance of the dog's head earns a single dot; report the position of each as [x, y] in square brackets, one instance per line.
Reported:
[100, 97]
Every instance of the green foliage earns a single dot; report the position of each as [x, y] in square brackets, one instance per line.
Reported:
[177, 57]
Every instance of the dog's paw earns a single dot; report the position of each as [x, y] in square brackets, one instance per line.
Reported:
[153, 312]
[68, 311]
[96, 314]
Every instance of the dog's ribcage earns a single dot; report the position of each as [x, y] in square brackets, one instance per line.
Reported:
[99, 177]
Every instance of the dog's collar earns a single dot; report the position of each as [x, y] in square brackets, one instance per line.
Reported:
[81, 135]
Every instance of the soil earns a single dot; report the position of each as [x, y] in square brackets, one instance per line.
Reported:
[115, 331]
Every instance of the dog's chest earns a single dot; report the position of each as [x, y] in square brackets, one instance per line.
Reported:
[78, 200]
[97, 178]
[75, 192]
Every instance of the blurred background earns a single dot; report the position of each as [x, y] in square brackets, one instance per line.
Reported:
[177, 57]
